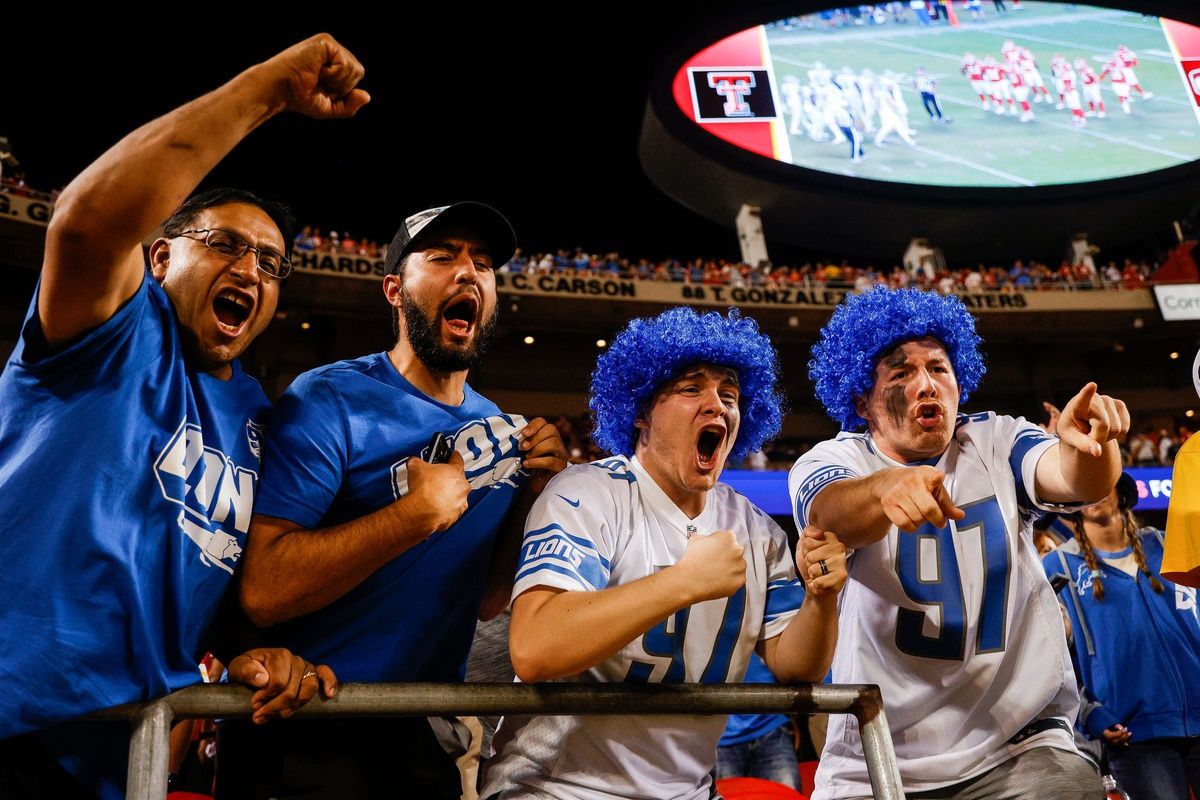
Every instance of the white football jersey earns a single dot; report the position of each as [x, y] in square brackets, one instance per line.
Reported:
[958, 626]
[607, 524]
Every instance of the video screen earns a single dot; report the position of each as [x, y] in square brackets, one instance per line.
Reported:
[986, 93]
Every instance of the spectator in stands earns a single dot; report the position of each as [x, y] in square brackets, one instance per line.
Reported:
[1137, 643]
[1166, 447]
[759, 745]
[362, 551]
[115, 564]
[891, 367]
[1142, 448]
[619, 554]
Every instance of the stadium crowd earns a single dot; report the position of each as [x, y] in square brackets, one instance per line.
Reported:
[1019, 276]
[386, 508]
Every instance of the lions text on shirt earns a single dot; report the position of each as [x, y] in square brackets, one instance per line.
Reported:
[607, 524]
[957, 625]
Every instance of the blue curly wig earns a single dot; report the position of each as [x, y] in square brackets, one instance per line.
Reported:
[651, 351]
[867, 325]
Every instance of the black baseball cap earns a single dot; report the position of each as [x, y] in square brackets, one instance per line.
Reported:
[1127, 491]
[493, 226]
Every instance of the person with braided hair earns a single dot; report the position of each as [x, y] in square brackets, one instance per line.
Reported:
[1137, 646]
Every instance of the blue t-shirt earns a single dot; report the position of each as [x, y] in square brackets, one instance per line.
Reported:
[743, 728]
[338, 449]
[127, 482]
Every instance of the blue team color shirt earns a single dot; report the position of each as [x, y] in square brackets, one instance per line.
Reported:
[127, 483]
[748, 727]
[337, 450]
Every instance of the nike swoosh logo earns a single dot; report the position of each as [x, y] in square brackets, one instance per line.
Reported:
[570, 502]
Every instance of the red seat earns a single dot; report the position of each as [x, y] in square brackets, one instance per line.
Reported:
[756, 789]
[808, 775]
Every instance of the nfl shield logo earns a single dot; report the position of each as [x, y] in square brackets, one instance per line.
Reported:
[254, 438]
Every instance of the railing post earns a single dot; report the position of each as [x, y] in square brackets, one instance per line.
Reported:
[149, 744]
[149, 748]
[877, 746]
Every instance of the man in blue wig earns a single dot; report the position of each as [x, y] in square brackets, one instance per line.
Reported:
[642, 568]
[945, 608]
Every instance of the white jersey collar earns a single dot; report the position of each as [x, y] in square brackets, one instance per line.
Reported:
[665, 507]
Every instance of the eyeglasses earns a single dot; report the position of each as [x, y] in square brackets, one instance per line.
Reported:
[231, 245]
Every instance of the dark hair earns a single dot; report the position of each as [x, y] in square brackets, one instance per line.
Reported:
[186, 214]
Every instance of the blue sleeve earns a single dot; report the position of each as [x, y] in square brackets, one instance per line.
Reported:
[306, 454]
[1029, 440]
[133, 336]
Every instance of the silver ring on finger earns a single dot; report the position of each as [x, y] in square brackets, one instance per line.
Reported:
[824, 567]
[309, 674]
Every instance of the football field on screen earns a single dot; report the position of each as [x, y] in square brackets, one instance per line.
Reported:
[980, 148]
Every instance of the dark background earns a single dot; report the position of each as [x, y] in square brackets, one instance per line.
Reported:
[536, 108]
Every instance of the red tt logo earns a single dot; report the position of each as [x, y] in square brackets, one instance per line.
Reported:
[732, 94]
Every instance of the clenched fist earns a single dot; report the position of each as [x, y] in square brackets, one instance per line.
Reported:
[715, 565]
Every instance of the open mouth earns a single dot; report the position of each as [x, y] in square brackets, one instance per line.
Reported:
[930, 415]
[708, 445]
[460, 314]
[232, 309]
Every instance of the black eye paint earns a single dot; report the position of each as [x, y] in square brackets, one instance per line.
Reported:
[897, 406]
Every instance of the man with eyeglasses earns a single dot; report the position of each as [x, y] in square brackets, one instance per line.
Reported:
[130, 437]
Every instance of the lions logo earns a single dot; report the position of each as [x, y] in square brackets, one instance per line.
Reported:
[490, 450]
[1083, 579]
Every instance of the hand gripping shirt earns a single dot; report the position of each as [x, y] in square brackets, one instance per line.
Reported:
[957, 626]
[340, 442]
[606, 524]
[127, 482]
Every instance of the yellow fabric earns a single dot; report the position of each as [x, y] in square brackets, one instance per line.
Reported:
[1181, 560]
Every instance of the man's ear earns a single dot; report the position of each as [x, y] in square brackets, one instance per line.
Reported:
[160, 257]
[391, 290]
[860, 408]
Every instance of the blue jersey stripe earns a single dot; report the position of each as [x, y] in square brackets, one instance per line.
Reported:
[814, 483]
[563, 569]
[1025, 442]
[585, 544]
[783, 597]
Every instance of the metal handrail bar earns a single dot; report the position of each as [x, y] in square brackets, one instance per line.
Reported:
[148, 750]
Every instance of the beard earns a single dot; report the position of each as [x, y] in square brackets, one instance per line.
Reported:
[424, 335]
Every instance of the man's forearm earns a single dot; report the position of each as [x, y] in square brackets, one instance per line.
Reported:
[290, 571]
[852, 509]
[1073, 476]
[804, 651]
[555, 634]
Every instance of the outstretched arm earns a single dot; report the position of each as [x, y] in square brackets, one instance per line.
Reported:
[862, 510]
[93, 258]
[1084, 465]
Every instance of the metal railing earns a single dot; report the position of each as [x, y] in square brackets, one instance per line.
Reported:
[148, 747]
